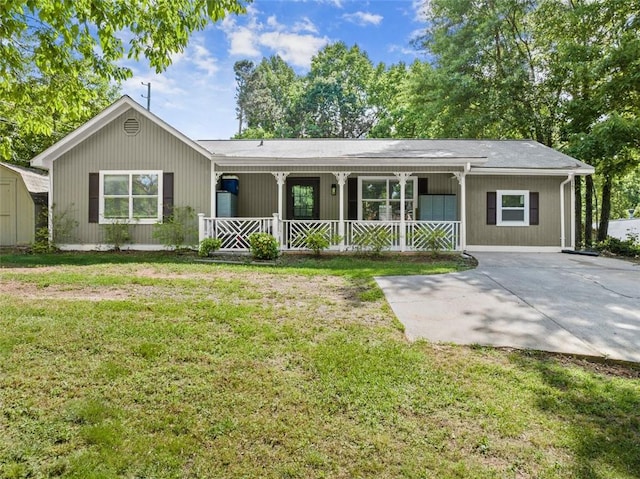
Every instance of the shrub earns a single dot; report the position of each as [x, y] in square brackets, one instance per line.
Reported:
[431, 240]
[116, 234]
[373, 241]
[317, 240]
[64, 225]
[208, 246]
[179, 229]
[263, 246]
[628, 247]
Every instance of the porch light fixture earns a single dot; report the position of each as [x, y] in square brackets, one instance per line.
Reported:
[333, 189]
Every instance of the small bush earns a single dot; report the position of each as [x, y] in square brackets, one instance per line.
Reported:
[628, 247]
[431, 240]
[64, 225]
[263, 246]
[179, 229]
[208, 246]
[317, 240]
[116, 234]
[373, 241]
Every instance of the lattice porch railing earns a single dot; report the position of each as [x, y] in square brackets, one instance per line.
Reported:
[355, 235]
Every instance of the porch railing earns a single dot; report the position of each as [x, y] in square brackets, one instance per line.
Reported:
[352, 235]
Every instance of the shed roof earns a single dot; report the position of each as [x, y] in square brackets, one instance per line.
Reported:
[517, 154]
[35, 181]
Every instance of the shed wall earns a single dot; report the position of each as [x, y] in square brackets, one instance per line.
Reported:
[17, 210]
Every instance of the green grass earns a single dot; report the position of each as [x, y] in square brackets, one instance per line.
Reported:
[156, 366]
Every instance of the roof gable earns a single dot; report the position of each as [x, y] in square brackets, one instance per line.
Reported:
[125, 103]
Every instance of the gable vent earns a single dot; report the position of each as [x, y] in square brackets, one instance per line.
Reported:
[131, 126]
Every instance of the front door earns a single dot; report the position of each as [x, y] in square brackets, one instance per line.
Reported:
[303, 198]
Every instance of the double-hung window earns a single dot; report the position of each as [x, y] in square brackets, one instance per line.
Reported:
[513, 208]
[134, 196]
[379, 198]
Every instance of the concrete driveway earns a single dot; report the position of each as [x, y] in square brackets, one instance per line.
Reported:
[546, 301]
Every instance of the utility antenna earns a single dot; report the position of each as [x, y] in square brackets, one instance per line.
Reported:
[148, 97]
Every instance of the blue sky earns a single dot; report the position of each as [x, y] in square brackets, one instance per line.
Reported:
[196, 93]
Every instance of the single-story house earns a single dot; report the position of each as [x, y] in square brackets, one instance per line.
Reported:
[126, 164]
[23, 204]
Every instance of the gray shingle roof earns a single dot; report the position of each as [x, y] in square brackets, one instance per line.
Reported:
[496, 153]
[35, 181]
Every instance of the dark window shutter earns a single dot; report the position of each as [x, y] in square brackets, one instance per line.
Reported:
[352, 198]
[534, 208]
[423, 186]
[491, 208]
[94, 197]
[167, 194]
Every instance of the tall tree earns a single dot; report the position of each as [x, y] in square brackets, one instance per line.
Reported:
[337, 100]
[50, 50]
[244, 69]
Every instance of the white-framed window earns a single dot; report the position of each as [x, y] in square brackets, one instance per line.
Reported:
[512, 208]
[134, 196]
[379, 198]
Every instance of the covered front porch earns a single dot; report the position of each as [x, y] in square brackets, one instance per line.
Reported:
[352, 210]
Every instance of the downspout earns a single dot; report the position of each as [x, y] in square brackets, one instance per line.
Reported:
[463, 207]
[562, 218]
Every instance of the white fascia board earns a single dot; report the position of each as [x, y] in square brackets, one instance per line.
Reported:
[346, 162]
[531, 171]
[48, 156]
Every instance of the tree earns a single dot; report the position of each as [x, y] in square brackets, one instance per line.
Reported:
[243, 69]
[51, 52]
[337, 95]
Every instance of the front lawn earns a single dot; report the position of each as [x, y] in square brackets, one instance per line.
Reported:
[157, 366]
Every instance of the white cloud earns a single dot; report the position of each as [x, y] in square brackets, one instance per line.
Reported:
[292, 47]
[363, 18]
[421, 8]
[304, 25]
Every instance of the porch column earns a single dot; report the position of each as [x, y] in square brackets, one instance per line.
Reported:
[341, 178]
[215, 176]
[280, 177]
[462, 180]
[402, 179]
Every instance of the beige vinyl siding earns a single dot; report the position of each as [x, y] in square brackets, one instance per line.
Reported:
[152, 148]
[547, 233]
[258, 195]
[17, 210]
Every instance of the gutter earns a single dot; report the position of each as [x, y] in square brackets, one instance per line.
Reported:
[562, 216]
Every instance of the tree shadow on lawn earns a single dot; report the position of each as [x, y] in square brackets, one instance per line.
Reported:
[599, 405]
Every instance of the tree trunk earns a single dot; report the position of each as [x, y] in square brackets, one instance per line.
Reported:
[588, 215]
[578, 210]
[605, 212]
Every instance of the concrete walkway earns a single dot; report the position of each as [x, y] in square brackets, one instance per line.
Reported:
[546, 301]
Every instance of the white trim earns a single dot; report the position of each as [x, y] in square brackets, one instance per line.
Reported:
[73, 139]
[513, 249]
[580, 171]
[500, 208]
[106, 247]
[413, 179]
[131, 219]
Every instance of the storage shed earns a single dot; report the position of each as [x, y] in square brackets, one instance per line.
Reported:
[23, 204]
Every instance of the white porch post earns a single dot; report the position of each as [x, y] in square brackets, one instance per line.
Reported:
[215, 176]
[402, 179]
[280, 177]
[462, 180]
[341, 178]
[572, 215]
[201, 232]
